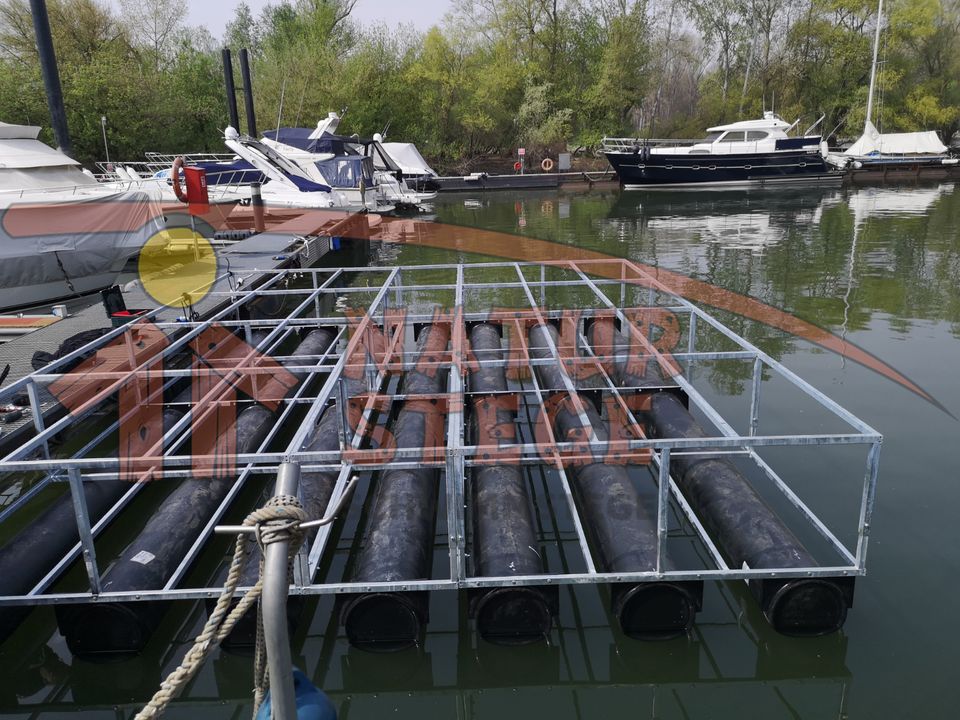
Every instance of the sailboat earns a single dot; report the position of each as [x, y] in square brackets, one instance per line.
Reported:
[874, 150]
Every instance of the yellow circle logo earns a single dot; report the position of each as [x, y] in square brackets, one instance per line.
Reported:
[177, 267]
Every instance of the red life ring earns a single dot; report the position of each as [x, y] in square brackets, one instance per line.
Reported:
[175, 179]
[546, 165]
[517, 166]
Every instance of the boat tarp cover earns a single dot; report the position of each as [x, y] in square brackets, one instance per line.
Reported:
[914, 143]
[22, 132]
[12, 178]
[106, 223]
[305, 139]
[21, 152]
[408, 158]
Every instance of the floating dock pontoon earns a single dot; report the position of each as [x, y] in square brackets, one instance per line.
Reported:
[500, 429]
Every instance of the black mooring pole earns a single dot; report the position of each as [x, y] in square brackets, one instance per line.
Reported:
[51, 76]
[231, 90]
[248, 93]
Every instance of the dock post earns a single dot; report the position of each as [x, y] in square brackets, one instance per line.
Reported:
[274, 606]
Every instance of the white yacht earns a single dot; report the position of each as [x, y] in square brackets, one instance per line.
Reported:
[354, 166]
[62, 233]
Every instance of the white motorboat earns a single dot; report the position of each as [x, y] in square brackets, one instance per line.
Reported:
[353, 165]
[62, 233]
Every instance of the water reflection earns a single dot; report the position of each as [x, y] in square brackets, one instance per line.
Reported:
[585, 666]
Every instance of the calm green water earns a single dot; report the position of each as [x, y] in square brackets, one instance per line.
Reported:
[879, 266]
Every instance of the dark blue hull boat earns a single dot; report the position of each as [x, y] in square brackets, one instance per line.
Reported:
[646, 169]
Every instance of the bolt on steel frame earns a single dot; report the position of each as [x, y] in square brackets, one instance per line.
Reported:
[391, 303]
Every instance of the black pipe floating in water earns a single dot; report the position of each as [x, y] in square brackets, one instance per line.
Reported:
[315, 490]
[33, 552]
[623, 530]
[151, 559]
[399, 542]
[504, 539]
[741, 524]
[51, 75]
[231, 90]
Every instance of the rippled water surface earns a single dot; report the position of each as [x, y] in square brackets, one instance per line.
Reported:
[877, 266]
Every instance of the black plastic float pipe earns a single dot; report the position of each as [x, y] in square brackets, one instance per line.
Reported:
[32, 553]
[399, 542]
[315, 489]
[231, 90]
[151, 559]
[504, 539]
[745, 529]
[623, 530]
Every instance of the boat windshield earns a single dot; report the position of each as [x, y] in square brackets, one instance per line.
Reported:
[712, 137]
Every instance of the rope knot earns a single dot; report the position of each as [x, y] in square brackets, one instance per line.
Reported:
[278, 520]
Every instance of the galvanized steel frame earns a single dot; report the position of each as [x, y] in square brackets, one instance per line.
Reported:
[458, 457]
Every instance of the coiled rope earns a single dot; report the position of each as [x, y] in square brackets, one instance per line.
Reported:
[279, 519]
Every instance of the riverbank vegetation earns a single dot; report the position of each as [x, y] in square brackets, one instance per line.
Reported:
[492, 76]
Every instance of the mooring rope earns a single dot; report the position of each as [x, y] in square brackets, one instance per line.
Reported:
[279, 519]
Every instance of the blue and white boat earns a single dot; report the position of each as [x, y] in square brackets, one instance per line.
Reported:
[352, 165]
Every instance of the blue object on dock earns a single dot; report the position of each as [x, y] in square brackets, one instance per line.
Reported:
[334, 243]
[312, 703]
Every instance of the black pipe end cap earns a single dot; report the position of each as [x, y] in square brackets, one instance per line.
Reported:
[516, 615]
[807, 607]
[385, 622]
[657, 610]
[109, 630]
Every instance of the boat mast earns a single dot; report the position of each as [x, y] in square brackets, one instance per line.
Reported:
[873, 67]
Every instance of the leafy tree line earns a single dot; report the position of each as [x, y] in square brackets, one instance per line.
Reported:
[495, 74]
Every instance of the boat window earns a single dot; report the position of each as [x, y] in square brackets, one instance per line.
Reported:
[346, 171]
[755, 135]
[712, 137]
[733, 137]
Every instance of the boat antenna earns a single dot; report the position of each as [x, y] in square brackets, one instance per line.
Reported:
[873, 67]
[303, 92]
[385, 128]
[283, 89]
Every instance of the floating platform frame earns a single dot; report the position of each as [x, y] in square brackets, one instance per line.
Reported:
[459, 295]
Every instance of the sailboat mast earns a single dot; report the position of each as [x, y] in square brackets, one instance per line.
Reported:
[873, 67]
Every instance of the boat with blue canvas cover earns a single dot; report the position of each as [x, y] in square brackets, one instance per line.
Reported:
[345, 161]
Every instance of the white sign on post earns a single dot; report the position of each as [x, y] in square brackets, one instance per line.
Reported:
[521, 152]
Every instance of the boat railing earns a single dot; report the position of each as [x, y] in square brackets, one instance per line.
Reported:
[628, 144]
[104, 181]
